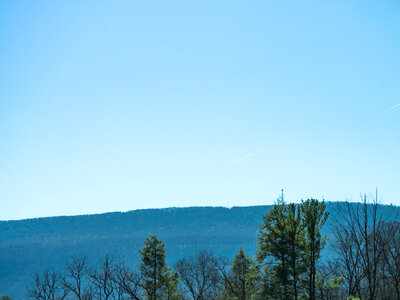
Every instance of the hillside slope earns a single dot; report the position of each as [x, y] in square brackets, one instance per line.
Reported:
[34, 244]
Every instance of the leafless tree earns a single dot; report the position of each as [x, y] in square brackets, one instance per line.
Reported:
[47, 286]
[75, 275]
[392, 257]
[361, 245]
[101, 278]
[347, 260]
[127, 281]
[200, 275]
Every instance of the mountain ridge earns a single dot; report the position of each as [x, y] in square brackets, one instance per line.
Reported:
[30, 245]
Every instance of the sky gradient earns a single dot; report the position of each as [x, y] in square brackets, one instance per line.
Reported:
[120, 105]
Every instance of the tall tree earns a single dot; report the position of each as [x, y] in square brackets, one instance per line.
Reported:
[392, 256]
[295, 235]
[314, 218]
[347, 259]
[289, 246]
[362, 225]
[159, 282]
[273, 250]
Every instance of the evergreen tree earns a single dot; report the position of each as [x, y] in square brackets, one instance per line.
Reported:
[242, 283]
[273, 249]
[282, 246]
[171, 286]
[295, 235]
[158, 280]
[314, 216]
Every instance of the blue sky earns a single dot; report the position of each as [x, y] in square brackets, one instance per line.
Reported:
[120, 105]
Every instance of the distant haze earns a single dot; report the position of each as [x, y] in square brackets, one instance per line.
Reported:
[113, 106]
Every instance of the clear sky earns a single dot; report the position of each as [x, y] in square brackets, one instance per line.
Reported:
[120, 105]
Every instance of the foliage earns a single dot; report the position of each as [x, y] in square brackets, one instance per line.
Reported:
[273, 249]
[243, 280]
[314, 218]
[290, 242]
[159, 282]
[328, 285]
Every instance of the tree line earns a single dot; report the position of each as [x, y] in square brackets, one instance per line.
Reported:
[364, 263]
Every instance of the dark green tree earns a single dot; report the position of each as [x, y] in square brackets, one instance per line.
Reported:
[282, 251]
[314, 217]
[243, 280]
[273, 252]
[295, 235]
[159, 282]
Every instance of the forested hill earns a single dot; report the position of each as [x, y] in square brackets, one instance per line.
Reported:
[30, 245]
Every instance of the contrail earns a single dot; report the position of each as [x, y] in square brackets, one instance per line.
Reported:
[239, 159]
[393, 107]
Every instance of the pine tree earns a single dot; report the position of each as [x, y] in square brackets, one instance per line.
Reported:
[282, 246]
[314, 217]
[242, 283]
[295, 235]
[158, 280]
[273, 249]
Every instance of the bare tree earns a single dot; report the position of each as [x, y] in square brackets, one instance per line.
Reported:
[392, 257]
[101, 279]
[347, 260]
[47, 286]
[361, 245]
[371, 244]
[75, 275]
[200, 275]
[127, 281]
